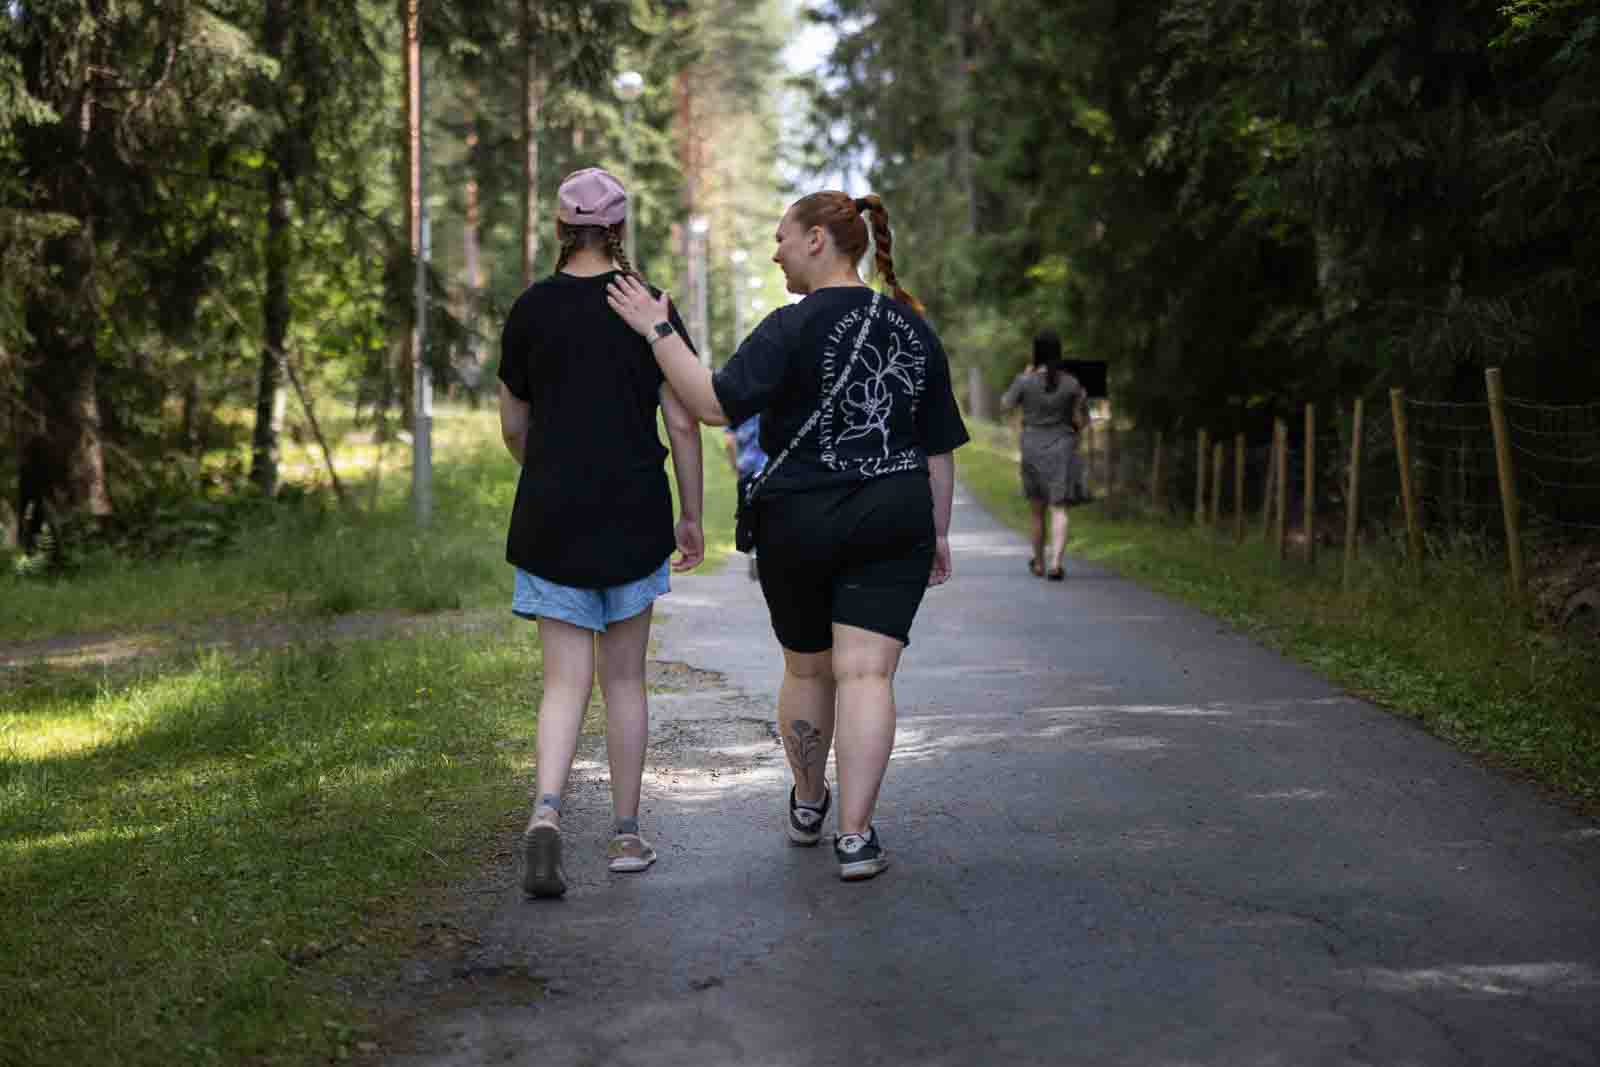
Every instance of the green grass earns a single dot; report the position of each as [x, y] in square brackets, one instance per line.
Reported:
[198, 849]
[1449, 650]
[310, 562]
[180, 847]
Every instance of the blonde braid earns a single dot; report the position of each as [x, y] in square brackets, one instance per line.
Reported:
[618, 252]
[568, 236]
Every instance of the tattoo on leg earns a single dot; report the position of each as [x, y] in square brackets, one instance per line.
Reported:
[803, 743]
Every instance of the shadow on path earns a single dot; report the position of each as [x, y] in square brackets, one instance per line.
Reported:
[1122, 834]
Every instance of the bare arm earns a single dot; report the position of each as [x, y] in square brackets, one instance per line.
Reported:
[691, 381]
[514, 420]
[1013, 393]
[688, 469]
[942, 479]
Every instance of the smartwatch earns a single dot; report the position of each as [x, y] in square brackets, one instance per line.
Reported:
[662, 329]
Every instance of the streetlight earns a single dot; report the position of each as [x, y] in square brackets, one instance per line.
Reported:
[699, 226]
[627, 85]
[738, 256]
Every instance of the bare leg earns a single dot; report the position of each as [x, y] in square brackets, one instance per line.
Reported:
[805, 719]
[1058, 535]
[1037, 530]
[568, 679]
[621, 661]
[864, 664]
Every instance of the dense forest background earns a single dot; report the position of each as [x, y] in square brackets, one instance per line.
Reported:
[207, 227]
[1240, 204]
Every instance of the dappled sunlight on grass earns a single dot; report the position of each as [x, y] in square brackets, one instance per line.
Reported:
[17, 850]
[200, 826]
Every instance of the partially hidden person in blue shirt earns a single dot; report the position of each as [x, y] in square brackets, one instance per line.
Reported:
[591, 528]
[747, 458]
[859, 417]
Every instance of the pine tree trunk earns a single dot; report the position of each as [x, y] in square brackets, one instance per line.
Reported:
[264, 445]
[532, 103]
[957, 12]
[264, 449]
[62, 471]
[471, 246]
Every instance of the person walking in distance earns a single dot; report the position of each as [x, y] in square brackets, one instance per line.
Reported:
[591, 528]
[853, 509]
[1055, 408]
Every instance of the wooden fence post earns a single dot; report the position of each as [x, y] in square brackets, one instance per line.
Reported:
[1280, 438]
[1200, 481]
[1509, 504]
[1268, 480]
[1155, 475]
[1311, 485]
[1402, 445]
[1238, 487]
[1216, 483]
[1111, 454]
[1352, 496]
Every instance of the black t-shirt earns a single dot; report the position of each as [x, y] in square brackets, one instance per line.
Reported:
[896, 409]
[593, 508]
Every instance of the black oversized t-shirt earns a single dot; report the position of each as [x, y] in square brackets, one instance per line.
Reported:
[592, 508]
[896, 409]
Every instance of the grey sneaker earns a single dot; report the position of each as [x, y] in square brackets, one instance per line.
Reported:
[860, 855]
[805, 824]
[542, 875]
[629, 852]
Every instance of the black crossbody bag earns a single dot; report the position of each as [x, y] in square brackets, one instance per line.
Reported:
[746, 514]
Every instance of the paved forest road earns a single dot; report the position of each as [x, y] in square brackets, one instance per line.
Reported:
[1122, 835]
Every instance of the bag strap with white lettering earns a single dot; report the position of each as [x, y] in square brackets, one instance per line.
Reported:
[766, 472]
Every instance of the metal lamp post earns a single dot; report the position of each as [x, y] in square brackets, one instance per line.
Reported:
[738, 256]
[699, 226]
[628, 85]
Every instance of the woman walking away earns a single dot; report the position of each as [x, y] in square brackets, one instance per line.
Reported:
[591, 528]
[853, 508]
[1054, 409]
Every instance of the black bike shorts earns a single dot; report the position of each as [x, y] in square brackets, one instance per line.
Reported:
[857, 554]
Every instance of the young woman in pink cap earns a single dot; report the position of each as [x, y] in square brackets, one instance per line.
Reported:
[592, 528]
[859, 417]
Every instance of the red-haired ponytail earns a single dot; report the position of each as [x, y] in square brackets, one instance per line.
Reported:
[847, 221]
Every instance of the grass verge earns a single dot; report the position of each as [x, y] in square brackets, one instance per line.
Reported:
[198, 852]
[192, 856]
[319, 560]
[1447, 651]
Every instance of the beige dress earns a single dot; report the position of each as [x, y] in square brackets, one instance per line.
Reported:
[1051, 466]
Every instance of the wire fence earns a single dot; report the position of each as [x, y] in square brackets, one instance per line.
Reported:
[1510, 479]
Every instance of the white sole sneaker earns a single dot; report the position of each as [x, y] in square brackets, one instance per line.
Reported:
[803, 831]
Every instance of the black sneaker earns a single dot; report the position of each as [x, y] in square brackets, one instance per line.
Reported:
[860, 856]
[805, 825]
[542, 875]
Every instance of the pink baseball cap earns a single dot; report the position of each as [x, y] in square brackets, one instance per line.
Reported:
[591, 197]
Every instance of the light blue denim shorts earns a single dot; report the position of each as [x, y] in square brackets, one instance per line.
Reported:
[593, 609]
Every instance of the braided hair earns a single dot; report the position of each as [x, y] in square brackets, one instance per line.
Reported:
[573, 238]
[854, 223]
